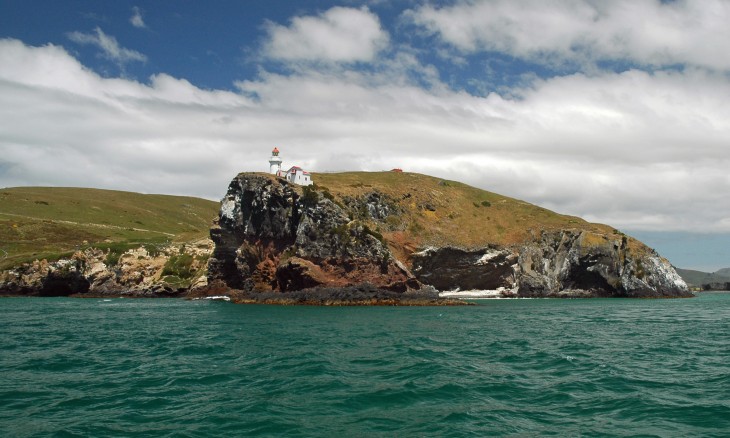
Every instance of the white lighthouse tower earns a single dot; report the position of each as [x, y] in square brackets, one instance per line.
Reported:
[275, 162]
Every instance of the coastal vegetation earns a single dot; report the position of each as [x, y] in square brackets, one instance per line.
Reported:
[52, 222]
[422, 210]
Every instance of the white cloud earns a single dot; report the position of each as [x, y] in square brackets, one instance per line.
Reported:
[647, 32]
[109, 46]
[636, 149]
[136, 19]
[337, 35]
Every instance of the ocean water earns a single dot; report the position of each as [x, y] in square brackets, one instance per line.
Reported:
[598, 367]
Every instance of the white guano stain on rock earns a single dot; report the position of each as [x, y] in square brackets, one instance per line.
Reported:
[228, 208]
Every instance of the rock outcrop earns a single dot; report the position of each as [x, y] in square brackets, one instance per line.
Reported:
[160, 271]
[566, 263]
[273, 236]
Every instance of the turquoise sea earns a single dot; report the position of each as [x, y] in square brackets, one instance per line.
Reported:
[596, 367]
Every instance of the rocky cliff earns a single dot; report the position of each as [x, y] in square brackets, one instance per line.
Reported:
[276, 236]
[144, 271]
[405, 232]
[567, 263]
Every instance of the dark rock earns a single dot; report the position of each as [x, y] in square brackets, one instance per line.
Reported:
[359, 295]
[558, 264]
[374, 205]
[274, 236]
[64, 282]
[453, 268]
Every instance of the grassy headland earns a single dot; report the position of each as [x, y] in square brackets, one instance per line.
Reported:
[441, 212]
[52, 222]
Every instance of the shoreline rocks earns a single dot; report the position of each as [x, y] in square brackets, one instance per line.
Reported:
[358, 295]
[164, 271]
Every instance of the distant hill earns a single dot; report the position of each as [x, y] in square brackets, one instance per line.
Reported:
[715, 280]
[51, 222]
[725, 272]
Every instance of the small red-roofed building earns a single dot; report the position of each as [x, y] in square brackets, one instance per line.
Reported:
[297, 175]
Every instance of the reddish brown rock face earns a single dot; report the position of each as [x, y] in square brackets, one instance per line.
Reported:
[297, 274]
[272, 235]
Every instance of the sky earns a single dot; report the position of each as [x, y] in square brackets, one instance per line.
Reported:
[617, 112]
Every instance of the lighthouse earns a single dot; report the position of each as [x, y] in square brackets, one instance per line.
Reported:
[275, 162]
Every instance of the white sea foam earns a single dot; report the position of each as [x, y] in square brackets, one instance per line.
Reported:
[493, 293]
[215, 298]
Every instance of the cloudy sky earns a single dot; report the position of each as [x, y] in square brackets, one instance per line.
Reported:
[618, 112]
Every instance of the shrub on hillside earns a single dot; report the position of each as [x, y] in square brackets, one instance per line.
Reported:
[179, 265]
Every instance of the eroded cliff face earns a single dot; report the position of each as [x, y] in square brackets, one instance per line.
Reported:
[274, 236]
[567, 263]
[161, 271]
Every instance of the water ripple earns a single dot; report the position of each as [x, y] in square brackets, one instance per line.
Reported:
[506, 367]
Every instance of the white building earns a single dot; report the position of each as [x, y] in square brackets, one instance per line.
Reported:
[295, 174]
[275, 162]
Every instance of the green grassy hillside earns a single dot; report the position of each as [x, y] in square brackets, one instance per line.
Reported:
[49, 222]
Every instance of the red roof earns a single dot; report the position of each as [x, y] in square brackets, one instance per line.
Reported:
[275, 150]
[295, 169]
